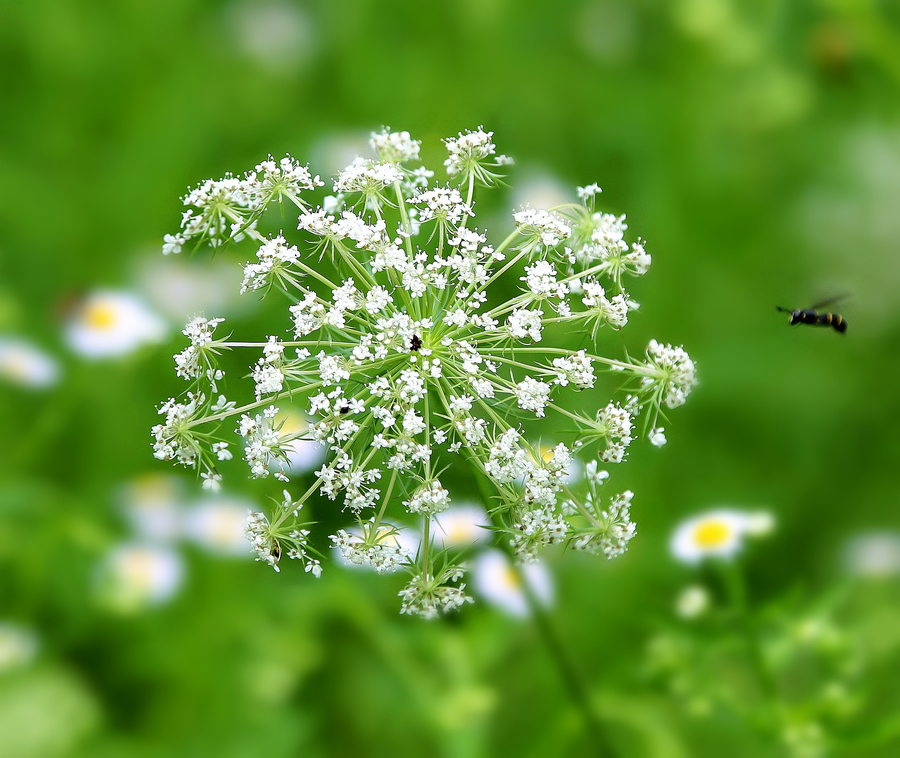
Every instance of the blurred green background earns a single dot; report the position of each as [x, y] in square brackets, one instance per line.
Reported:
[754, 144]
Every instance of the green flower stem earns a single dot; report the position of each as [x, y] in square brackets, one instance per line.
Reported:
[574, 682]
[354, 264]
[296, 343]
[427, 415]
[249, 406]
[735, 585]
[635, 368]
[387, 498]
[298, 503]
[509, 264]
[404, 218]
[519, 364]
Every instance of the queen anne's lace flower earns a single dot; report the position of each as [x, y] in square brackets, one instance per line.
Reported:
[405, 363]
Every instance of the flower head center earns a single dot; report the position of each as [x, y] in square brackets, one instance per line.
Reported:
[511, 578]
[712, 534]
[100, 316]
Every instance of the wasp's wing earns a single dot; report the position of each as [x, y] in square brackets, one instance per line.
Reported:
[829, 301]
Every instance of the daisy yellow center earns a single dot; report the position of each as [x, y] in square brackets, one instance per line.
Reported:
[510, 578]
[293, 423]
[151, 490]
[16, 366]
[712, 534]
[458, 532]
[223, 527]
[138, 569]
[100, 316]
[387, 537]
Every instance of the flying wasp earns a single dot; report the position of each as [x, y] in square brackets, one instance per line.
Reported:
[812, 316]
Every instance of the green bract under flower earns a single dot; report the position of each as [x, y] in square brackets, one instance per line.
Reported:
[405, 360]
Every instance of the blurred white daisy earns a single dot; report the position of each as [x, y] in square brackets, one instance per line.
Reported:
[25, 364]
[462, 525]
[112, 323]
[278, 35]
[692, 602]
[137, 576]
[303, 455]
[18, 646]
[873, 554]
[153, 506]
[216, 524]
[719, 533]
[499, 583]
[332, 152]
[759, 523]
[176, 286]
[541, 189]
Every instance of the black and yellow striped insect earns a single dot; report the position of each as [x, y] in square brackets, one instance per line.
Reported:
[812, 315]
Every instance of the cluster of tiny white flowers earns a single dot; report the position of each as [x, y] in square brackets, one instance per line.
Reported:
[577, 370]
[406, 363]
[596, 529]
[674, 373]
[395, 147]
[272, 540]
[428, 596]
[533, 395]
[431, 498]
[542, 227]
[195, 360]
[613, 312]
[536, 530]
[275, 259]
[471, 154]
[617, 421]
[228, 208]
[367, 176]
[375, 546]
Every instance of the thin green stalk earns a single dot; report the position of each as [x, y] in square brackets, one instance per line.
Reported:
[575, 685]
[736, 588]
[574, 682]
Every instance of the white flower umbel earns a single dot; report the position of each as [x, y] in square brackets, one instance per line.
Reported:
[406, 355]
[109, 324]
[272, 540]
[384, 548]
[717, 534]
